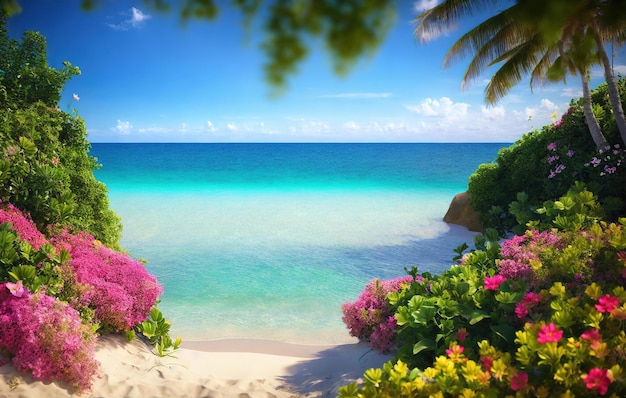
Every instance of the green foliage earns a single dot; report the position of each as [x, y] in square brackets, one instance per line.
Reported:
[348, 29]
[156, 329]
[26, 77]
[34, 267]
[45, 170]
[471, 332]
[541, 173]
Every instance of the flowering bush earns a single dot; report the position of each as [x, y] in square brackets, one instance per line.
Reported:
[370, 316]
[23, 226]
[122, 293]
[45, 337]
[543, 317]
[60, 291]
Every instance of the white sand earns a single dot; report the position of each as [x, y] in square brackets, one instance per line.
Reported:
[221, 368]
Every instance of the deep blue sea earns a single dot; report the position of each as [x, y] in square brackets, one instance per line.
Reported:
[269, 240]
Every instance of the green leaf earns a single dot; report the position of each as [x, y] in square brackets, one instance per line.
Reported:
[478, 316]
[425, 314]
[506, 332]
[28, 146]
[424, 344]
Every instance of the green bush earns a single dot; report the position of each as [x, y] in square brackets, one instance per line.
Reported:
[46, 171]
[545, 163]
[45, 167]
[540, 314]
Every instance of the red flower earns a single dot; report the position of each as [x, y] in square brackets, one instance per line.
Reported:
[519, 381]
[607, 303]
[598, 380]
[549, 334]
[487, 362]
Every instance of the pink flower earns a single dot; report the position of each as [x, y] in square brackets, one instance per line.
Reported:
[570, 153]
[76, 97]
[552, 146]
[455, 351]
[607, 303]
[461, 334]
[521, 310]
[597, 380]
[494, 282]
[16, 289]
[55, 161]
[591, 335]
[519, 381]
[549, 334]
[487, 362]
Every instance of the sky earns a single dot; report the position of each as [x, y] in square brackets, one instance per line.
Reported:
[146, 77]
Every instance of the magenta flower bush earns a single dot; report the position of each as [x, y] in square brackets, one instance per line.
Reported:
[56, 292]
[521, 256]
[46, 338]
[23, 225]
[370, 317]
[123, 291]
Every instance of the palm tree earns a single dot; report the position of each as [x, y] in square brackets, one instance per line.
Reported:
[519, 39]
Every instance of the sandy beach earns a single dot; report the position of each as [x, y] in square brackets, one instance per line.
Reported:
[219, 368]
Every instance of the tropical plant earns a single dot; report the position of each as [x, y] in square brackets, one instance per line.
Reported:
[350, 29]
[25, 76]
[540, 314]
[525, 38]
[45, 166]
[57, 293]
[545, 164]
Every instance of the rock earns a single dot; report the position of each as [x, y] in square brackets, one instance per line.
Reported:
[462, 213]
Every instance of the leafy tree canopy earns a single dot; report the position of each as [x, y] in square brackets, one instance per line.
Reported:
[25, 77]
[349, 29]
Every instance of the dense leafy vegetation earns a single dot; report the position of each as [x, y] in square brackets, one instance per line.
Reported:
[544, 163]
[62, 280]
[45, 166]
[539, 314]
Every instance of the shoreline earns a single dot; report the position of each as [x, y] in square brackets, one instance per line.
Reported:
[212, 368]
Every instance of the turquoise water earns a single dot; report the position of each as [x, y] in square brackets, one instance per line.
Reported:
[268, 240]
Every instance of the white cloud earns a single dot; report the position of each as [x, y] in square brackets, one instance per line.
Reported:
[621, 69]
[493, 112]
[232, 127]
[443, 107]
[570, 92]
[210, 127]
[545, 108]
[423, 5]
[358, 95]
[134, 18]
[123, 128]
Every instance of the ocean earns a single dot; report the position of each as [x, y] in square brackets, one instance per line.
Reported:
[267, 241]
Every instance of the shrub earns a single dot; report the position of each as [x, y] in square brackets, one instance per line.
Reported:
[46, 171]
[123, 292]
[370, 316]
[545, 163]
[542, 317]
[45, 337]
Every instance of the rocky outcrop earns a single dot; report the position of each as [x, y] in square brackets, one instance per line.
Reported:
[462, 213]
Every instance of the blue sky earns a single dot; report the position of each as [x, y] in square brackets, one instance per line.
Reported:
[148, 78]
